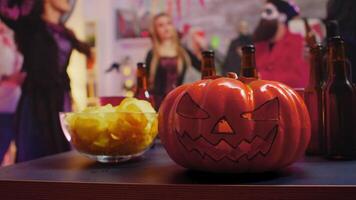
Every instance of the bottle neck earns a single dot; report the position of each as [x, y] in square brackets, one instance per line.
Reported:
[337, 71]
[336, 52]
[316, 68]
[142, 82]
[248, 65]
[337, 62]
[208, 67]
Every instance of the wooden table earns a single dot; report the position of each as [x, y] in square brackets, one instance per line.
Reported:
[155, 176]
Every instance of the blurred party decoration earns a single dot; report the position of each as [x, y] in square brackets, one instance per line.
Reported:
[202, 3]
[117, 66]
[129, 83]
[114, 66]
[179, 8]
[176, 8]
[14, 9]
[126, 71]
[131, 24]
[215, 42]
[170, 7]
[129, 93]
[154, 6]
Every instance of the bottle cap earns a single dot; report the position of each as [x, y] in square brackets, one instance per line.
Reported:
[332, 28]
[141, 64]
[317, 48]
[248, 48]
[208, 53]
[336, 40]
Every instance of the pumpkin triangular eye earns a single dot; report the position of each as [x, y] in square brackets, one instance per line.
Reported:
[268, 111]
[189, 109]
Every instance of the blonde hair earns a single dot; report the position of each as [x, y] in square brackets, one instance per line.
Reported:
[182, 55]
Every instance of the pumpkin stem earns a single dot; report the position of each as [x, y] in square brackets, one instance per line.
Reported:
[232, 75]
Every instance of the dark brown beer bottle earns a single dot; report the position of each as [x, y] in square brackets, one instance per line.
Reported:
[248, 62]
[313, 96]
[332, 30]
[142, 84]
[208, 65]
[339, 99]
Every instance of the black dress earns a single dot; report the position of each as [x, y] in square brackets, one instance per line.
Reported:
[167, 76]
[44, 89]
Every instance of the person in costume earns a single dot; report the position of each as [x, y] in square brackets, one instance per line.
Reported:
[46, 45]
[280, 53]
[168, 61]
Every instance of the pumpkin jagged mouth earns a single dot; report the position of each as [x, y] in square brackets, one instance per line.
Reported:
[249, 149]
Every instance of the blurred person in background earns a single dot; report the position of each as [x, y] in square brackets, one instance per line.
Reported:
[11, 79]
[168, 61]
[46, 45]
[196, 40]
[233, 57]
[344, 12]
[280, 53]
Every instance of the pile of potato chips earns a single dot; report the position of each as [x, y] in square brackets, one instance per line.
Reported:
[126, 129]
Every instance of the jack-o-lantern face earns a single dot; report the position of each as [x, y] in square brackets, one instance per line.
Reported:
[225, 125]
[223, 132]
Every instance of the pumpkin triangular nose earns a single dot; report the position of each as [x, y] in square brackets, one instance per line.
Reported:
[222, 127]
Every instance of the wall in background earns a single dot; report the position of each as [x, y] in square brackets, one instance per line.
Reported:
[77, 65]
[218, 18]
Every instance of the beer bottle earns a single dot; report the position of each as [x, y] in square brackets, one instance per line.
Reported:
[248, 62]
[313, 97]
[142, 84]
[332, 30]
[208, 65]
[339, 99]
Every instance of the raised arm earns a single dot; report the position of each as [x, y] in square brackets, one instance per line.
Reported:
[195, 60]
[80, 46]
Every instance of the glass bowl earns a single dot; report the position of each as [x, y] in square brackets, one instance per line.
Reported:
[110, 137]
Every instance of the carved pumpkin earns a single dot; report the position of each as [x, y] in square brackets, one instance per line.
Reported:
[228, 125]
